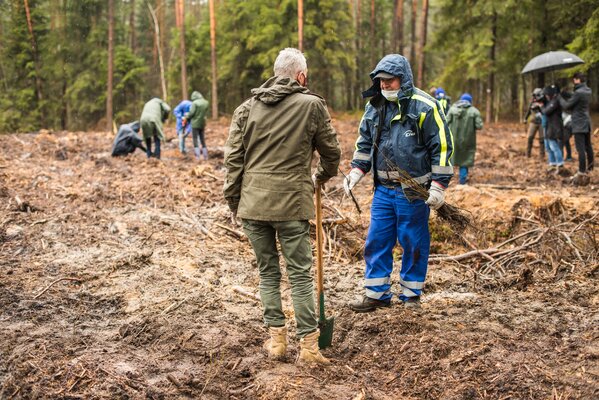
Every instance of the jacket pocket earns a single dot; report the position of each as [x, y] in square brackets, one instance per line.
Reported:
[273, 196]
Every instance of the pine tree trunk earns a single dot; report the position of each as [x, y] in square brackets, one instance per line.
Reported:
[132, 27]
[159, 52]
[491, 77]
[213, 59]
[359, 50]
[300, 25]
[398, 27]
[372, 33]
[543, 27]
[38, 81]
[422, 42]
[183, 53]
[413, 39]
[110, 65]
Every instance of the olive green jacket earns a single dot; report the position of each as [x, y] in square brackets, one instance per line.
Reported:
[269, 152]
[198, 110]
[463, 120]
[154, 113]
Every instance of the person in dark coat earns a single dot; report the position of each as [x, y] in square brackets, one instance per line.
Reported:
[578, 105]
[127, 140]
[554, 128]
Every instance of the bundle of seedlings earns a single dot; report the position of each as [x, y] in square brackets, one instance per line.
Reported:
[456, 217]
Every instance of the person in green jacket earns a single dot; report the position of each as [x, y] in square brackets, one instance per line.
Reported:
[197, 117]
[463, 120]
[268, 155]
[154, 113]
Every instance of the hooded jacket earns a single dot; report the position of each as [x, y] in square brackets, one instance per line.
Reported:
[127, 140]
[179, 112]
[578, 105]
[198, 110]
[269, 152]
[154, 113]
[410, 134]
[463, 120]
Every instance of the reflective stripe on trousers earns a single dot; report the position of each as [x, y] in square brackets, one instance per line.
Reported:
[394, 218]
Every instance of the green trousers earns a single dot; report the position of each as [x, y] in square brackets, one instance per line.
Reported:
[294, 237]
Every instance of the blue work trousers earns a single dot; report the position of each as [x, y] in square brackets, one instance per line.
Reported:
[463, 175]
[554, 152]
[394, 218]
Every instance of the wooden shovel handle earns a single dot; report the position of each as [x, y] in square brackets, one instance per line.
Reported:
[319, 241]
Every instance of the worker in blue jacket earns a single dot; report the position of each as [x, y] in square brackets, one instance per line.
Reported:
[403, 132]
[182, 131]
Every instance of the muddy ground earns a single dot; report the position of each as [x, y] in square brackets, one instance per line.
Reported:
[118, 279]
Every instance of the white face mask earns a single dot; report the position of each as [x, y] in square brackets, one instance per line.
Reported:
[390, 95]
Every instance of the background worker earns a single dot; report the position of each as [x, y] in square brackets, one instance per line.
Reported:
[578, 106]
[403, 128]
[554, 129]
[154, 113]
[463, 120]
[183, 130]
[197, 118]
[268, 155]
[535, 123]
[127, 140]
[443, 99]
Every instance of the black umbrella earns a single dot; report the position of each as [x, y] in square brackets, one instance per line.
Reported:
[551, 61]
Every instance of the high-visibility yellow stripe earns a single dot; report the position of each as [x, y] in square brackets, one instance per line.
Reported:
[421, 120]
[443, 160]
[359, 135]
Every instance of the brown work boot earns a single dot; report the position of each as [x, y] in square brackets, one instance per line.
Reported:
[367, 304]
[412, 303]
[277, 344]
[309, 351]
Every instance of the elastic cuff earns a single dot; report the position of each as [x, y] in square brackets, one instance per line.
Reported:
[439, 184]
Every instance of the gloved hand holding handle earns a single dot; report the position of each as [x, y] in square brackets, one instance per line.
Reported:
[436, 195]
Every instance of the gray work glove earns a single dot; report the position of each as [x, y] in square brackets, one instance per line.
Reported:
[352, 179]
[436, 196]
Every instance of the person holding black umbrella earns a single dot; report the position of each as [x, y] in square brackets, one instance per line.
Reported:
[578, 105]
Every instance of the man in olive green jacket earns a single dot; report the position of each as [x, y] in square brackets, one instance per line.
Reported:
[268, 154]
[197, 117]
[464, 120]
[154, 113]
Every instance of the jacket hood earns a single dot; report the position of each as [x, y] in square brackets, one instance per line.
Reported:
[396, 65]
[462, 104]
[276, 89]
[196, 96]
[134, 126]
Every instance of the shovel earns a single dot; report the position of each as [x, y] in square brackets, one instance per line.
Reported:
[324, 324]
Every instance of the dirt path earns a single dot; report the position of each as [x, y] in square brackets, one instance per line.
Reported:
[117, 280]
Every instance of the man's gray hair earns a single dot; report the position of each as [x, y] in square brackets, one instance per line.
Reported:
[289, 63]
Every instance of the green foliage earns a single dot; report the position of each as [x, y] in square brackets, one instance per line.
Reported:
[585, 42]
[129, 75]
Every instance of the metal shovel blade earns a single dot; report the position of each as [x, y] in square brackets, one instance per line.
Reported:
[326, 326]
